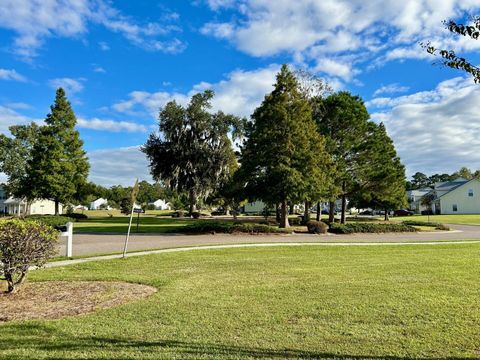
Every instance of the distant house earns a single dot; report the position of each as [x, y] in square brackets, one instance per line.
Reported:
[160, 204]
[20, 207]
[459, 196]
[414, 198]
[99, 203]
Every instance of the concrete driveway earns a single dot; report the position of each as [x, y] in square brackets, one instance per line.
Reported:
[96, 244]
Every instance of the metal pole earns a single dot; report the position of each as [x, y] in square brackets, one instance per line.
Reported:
[128, 233]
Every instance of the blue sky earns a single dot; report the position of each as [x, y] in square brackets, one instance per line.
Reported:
[120, 61]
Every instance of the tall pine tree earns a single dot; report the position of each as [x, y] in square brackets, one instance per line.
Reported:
[59, 165]
[283, 159]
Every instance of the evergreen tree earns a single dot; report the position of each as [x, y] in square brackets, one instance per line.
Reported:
[384, 178]
[283, 159]
[193, 152]
[343, 119]
[58, 166]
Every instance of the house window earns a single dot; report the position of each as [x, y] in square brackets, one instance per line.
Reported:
[470, 192]
[455, 207]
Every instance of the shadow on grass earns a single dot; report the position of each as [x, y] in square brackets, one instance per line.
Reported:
[31, 338]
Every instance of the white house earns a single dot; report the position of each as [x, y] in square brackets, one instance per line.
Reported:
[415, 199]
[160, 204]
[19, 207]
[97, 204]
[457, 197]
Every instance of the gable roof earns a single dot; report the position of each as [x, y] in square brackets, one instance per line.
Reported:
[457, 186]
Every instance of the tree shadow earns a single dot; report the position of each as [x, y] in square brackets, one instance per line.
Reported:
[38, 337]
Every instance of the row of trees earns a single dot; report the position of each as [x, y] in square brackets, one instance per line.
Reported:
[46, 161]
[300, 146]
[420, 180]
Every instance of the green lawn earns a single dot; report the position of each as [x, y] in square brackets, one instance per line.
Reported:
[373, 302]
[119, 224]
[443, 219]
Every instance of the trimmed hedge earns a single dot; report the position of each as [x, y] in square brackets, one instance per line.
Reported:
[202, 227]
[52, 220]
[77, 216]
[317, 227]
[352, 228]
[437, 226]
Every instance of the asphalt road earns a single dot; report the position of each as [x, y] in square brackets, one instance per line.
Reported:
[96, 244]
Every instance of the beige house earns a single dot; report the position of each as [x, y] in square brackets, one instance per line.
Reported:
[18, 207]
[457, 197]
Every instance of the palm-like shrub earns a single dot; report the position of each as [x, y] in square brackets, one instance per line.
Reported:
[24, 244]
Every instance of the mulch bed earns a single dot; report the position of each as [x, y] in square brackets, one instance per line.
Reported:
[58, 299]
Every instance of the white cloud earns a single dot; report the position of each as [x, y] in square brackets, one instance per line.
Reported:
[436, 131]
[318, 32]
[98, 69]
[71, 86]
[9, 117]
[119, 166]
[391, 89]
[110, 125]
[239, 94]
[103, 46]
[11, 74]
[34, 21]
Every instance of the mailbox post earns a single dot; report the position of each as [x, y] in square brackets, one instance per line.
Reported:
[69, 235]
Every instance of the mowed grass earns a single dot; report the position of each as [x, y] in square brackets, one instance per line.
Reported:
[444, 219]
[368, 302]
[119, 224]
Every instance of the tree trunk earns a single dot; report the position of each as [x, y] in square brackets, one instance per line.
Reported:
[306, 213]
[344, 204]
[278, 216]
[191, 200]
[284, 217]
[12, 284]
[57, 207]
[319, 211]
[386, 214]
[331, 211]
[292, 209]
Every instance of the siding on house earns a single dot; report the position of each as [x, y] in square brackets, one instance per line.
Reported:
[460, 199]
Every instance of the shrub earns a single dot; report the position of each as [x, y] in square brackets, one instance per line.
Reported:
[52, 220]
[229, 228]
[426, 212]
[435, 225]
[24, 244]
[196, 214]
[178, 214]
[351, 228]
[296, 221]
[77, 216]
[150, 207]
[317, 227]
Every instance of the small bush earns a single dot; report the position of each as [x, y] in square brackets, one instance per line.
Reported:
[435, 225]
[178, 214]
[24, 244]
[150, 207]
[296, 221]
[442, 227]
[52, 220]
[317, 227]
[196, 214]
[426, 212]
[352, 228]
[77, 216]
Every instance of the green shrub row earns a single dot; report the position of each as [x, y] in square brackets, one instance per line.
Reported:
[369, 228]
[435, 225]
[51, 220]
[229, 228]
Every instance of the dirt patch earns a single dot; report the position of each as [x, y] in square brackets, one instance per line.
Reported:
[58, 299]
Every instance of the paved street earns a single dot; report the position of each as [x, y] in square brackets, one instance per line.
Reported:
[96, 244]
